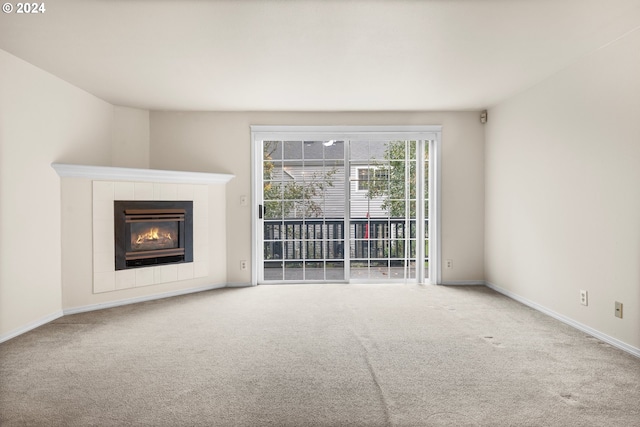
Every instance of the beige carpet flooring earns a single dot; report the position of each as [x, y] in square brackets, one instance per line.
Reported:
[317, 355]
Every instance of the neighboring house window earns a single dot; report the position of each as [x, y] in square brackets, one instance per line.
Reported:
[370, 174]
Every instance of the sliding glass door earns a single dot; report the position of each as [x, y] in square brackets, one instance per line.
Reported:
[342, 206]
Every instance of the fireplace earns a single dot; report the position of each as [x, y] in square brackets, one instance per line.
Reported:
[149, 233]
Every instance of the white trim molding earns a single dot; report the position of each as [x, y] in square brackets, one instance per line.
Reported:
[111, 304]
[463, 283]
[564, 319]
[32, 325]
[140, 175]
[426, 132]
[239, 285]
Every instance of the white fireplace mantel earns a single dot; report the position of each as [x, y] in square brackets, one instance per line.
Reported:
[139, 175]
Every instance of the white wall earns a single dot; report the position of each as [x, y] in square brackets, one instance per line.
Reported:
[220, 142]
[42, 120]
[130, 147]
[562, 191]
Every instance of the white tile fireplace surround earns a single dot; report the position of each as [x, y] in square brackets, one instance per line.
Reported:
[105, 277]
[110, 184]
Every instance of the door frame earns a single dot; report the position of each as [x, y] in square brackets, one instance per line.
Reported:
[430, 133]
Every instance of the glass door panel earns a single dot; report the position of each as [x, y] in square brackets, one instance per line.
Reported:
[382, 210]
[304, 205]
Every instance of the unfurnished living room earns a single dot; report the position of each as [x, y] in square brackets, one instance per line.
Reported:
[320, 213]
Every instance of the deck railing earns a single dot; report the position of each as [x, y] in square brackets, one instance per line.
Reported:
[297, 239]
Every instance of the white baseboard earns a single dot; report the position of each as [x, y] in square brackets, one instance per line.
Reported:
[238, 285]
[564, 319]
[101, 306]
[463, 283]
[111, 304]
[31, 325]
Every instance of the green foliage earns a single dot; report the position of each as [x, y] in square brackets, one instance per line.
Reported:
[397, 156]
[293, 199]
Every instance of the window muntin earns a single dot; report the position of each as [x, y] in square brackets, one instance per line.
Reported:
[364, 175]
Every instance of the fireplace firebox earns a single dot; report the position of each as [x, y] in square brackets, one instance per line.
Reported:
[149, 233]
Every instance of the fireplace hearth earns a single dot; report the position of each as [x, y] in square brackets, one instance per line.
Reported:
[149, 233]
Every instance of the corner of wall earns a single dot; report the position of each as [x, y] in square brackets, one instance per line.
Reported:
[131, 138]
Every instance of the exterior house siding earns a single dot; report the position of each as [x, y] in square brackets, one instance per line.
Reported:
[332, 202]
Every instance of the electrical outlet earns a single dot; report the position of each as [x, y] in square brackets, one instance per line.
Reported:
[584, 297]
[448, 263]
[619, 309]
[243, 265]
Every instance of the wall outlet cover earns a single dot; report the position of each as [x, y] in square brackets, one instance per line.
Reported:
[618, 312]
[584, 297]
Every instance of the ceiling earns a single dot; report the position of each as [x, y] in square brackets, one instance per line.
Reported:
[312, 55]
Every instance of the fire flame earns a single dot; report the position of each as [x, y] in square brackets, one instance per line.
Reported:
[151, 235]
